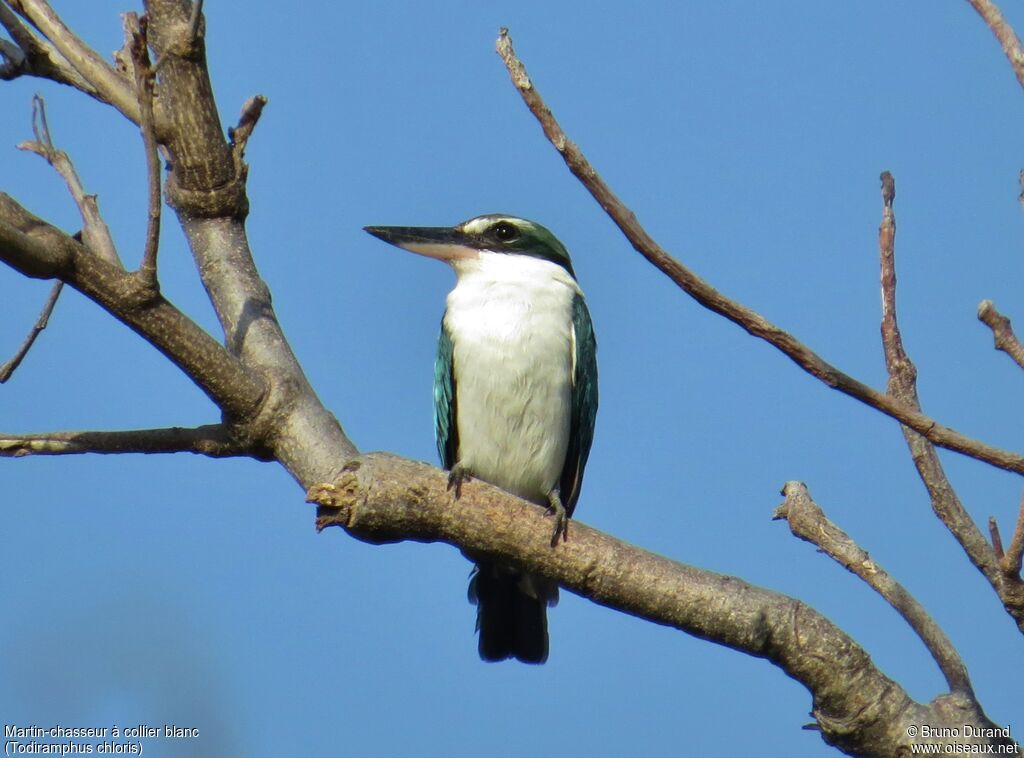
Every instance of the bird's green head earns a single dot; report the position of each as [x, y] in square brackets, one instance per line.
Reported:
[494, 232]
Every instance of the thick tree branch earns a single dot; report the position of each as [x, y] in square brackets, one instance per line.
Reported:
[202, 182]
[1008, 39]
[214, 440]
[195, 23]
[206, 187]
[710, 298]
[29, 245]
[8, 369]
[382, 498]
[808, 522]
[903, 386]
[1002, 331]
[257, 382]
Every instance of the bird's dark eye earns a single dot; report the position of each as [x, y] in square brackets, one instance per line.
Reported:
[504, 231]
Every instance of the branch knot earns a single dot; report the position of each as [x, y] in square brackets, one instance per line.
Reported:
[226, 201]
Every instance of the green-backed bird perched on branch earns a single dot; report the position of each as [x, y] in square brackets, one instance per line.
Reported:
[515, 396]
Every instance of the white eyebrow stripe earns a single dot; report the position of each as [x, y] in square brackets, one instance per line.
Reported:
[481, 223]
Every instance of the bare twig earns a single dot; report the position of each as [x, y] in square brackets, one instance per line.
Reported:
[739, 314]
[145, 79]
[1002, 331]
[996, 537]
[239, 135]
[104, 81]
[213, 440]
[1008, 39]
[1014, 556]
[11, 366]
[95, 233]
[896, 360]
[808, 522]
[903, 385]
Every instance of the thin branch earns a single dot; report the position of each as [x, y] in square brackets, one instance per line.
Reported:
[213, 440]
[739, 314]
[104, 81]
[381, 498]
[11, 366]
[36, 249]
[808, 522]
[1002, 331]
[902, 385]
[95, 233]
[14, 60]
[896, 360]
[35, 57]
[239, 134]
[996, 537]
[145, 79]
[1008, 39]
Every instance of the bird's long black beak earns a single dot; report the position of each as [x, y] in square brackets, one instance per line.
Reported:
[441, 242]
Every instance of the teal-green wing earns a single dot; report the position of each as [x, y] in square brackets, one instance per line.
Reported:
[445, 429]
[583, 404]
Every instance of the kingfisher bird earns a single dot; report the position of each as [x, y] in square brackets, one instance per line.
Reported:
[515, 396]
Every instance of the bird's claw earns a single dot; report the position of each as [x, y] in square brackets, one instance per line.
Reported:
[456, 477]
[556, 509]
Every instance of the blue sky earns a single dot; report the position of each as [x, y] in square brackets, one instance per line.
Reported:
[748, 138]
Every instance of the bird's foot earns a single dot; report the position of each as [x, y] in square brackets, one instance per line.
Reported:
[556, 509]
[456, 477]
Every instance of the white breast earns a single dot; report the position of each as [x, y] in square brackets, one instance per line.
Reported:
[510, 319]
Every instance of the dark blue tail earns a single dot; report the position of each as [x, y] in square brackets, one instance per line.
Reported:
[512, 622]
